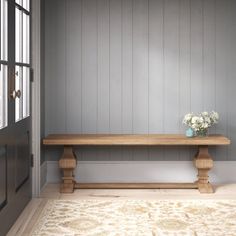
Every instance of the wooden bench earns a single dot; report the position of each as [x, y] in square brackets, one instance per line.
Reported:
[202, 160]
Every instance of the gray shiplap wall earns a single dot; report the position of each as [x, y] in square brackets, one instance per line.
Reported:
[137, 66]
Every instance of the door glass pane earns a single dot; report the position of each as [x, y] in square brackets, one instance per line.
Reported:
[26, 38]
[26, 92]
[3, 96]
[22, 55]
[3, 31]
[22, 84]
[19, 34]
[22, 37]
[18, 99]
[24, 3]
[19, 2]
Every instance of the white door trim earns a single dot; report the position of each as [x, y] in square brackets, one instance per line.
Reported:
[36, 65]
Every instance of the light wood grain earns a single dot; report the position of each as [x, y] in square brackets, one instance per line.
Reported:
[67, 163]
[203, 161]
[136, 185]
[134, 140]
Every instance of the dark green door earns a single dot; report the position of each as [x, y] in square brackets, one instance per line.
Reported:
[15, 119]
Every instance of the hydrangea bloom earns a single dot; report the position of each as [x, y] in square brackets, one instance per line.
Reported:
[203, 120]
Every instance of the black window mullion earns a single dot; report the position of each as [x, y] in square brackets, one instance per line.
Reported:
[3, 62]
[22, 9]
[22, 37]
[22, 64]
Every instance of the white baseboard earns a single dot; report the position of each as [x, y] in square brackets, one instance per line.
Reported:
[143, 171]
[43, 174]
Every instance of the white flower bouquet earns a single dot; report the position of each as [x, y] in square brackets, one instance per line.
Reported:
[201, 122]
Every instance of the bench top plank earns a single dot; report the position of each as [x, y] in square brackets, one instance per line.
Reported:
[133, 140]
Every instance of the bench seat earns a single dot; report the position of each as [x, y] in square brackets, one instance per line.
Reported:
[133, 140]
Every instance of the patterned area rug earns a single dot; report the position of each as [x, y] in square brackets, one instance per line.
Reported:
[137, 218]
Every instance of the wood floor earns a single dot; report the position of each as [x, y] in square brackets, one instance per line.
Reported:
[31, 213]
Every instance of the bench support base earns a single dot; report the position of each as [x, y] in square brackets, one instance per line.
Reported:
[67, 163]
[203, 162]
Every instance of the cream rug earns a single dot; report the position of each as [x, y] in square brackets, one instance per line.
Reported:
[136, 218]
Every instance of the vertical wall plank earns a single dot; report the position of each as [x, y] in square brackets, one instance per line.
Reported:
[103, 66]
[156, 71]
[155, 66]
[232, 82]
[184, 70]
[171, 72]
[196, 55]
[140, 66]
[103, 122]
[127, 74]
[140, 73]
[171, 66]
[89, 73]
[49, 27]
[89, 66]
[222, 61]
[116, 72]
[209, 66]
[184, 63]
[115, 66]
[55, 67]
[73, 66]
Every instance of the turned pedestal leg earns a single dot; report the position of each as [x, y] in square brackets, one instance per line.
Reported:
[67, 163]
[203, 161]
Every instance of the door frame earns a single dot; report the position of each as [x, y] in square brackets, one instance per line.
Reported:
[36, 95]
